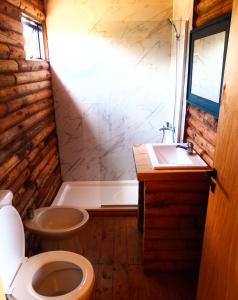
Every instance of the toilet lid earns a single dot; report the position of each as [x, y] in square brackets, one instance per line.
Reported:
[12, 244]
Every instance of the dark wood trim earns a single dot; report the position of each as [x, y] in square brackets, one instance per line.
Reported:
[113, 212]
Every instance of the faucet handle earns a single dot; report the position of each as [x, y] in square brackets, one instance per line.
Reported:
[190, 145]
[190, 148]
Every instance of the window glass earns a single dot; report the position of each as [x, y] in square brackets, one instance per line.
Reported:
[34, 45]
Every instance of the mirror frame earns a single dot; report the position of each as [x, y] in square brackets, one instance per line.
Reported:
[218, 25]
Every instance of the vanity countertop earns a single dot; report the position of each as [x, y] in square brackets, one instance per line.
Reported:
[145, 172]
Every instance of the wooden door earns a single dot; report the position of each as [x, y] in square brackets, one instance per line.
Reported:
[218, 279]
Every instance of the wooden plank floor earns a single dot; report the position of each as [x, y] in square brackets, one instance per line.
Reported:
[114, 246]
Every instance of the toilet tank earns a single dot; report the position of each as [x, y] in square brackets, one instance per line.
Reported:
[6, 197]
[12, 240]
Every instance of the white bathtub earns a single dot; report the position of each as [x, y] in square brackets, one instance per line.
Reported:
[95, 194]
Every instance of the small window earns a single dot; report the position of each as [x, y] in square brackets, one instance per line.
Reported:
[34, 45]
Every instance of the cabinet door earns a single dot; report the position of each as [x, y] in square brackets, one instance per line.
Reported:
[218, 278]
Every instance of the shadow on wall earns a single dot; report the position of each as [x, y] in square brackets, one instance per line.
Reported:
[82, 143]
[71, 129]
[111, 85]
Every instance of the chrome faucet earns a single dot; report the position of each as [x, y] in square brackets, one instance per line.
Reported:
[189, 148]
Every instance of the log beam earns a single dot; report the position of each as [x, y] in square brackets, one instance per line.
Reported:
[40, 151]
[24, 196]
[16, 52]
[11, 38]
[206, 132]
[42, 164]
[7, 80]
[50, 189]
[47, 171]
[218, 10]
[8, 23]
[204, 6]
[16, 3]
[18, 196]
[7, 66]
[201, 142]
[201, 152]
[43, 134]
[38, 4]
[30, 139]
[22, 114]
[28, 77]
[4, 50]
[10, 10]
[32, 65]
[10, 93]
[14, 174]
[29, 9]
[12, 133]
[11, 106]
[20, 181]
[28, 200]
[203, 117]
[8, 165]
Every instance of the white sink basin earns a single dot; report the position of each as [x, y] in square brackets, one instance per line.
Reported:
[164, 156]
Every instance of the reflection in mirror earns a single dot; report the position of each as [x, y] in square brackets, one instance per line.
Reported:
[207, 66]
[208, 46]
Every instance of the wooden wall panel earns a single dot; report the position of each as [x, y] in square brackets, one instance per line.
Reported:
[174, 218]
[207, 10]
[33, 8]
[201, 127]
[29, 159]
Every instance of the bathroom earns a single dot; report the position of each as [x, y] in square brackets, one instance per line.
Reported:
[113, 75]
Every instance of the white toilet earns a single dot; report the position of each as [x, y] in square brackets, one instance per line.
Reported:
[56, 275]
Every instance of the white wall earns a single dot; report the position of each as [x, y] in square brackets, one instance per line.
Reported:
[182, 16]
[110, 61]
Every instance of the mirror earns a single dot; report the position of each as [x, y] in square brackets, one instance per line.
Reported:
[208, 45]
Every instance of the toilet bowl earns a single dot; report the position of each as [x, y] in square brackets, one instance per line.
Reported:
[58, 227]
[56, 275]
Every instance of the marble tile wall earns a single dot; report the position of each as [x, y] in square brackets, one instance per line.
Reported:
[110, 61]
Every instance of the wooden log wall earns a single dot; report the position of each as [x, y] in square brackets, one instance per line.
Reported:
[201, 127]
[29, 159]
[174, 218]
[207, 10]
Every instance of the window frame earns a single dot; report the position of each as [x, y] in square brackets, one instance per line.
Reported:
[39, 27]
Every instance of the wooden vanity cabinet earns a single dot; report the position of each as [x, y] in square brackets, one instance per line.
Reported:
[172, 211]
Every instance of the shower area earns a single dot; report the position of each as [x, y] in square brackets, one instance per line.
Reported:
[118, 70]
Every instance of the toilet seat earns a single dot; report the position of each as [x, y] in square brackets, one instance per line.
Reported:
[21, 287]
